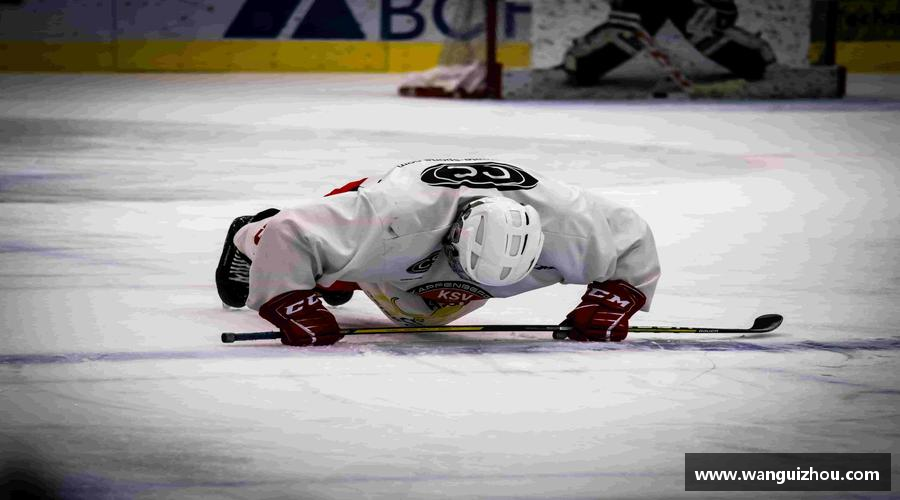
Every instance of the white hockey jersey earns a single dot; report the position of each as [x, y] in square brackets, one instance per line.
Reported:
[386, 236]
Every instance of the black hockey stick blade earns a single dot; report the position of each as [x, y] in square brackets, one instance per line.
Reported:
[766, 323]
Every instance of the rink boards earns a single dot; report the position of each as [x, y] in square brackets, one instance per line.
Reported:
[240, 35]
[363, 35]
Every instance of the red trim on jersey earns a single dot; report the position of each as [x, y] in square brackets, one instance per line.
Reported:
[258, 235]
[346, 188]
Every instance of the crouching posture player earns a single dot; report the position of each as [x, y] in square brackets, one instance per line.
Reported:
[433, 240]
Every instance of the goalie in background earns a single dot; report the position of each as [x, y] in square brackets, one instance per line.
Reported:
[432, 241]
[709, 25]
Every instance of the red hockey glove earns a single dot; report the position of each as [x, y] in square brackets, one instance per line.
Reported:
[302, 319]
[604, 311]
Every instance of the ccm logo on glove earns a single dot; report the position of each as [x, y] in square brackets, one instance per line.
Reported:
[302, 319]
[293, 308]
[604, 311]
[611, 300]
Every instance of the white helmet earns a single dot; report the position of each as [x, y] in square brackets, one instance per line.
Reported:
[495, 241]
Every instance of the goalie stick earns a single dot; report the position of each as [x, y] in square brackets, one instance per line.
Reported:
[663, 60]
[727, 88]
[762, 324]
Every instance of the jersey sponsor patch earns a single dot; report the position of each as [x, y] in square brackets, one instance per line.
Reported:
[440, 294]
[480, 174]
[425, 264]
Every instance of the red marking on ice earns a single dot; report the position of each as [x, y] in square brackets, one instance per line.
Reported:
[765, 161]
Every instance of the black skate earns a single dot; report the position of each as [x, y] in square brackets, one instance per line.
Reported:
[233, 271]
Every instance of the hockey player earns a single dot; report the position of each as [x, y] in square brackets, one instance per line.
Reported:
[707, 24]
[433, 240]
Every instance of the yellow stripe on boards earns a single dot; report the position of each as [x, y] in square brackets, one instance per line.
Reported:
[412, 56]
[195, 55]
[56, 56]
[314, 55]
[869, 57]
[514, 55]
[862, 57]
[332, 56]
[235, 55]
[250, 55]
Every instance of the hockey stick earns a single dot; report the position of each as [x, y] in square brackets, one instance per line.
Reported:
[728, 88]
[663, 60]
[762, 324]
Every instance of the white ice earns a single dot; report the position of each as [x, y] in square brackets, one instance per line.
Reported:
[116, 191]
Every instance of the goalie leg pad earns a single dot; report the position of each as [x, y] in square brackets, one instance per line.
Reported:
[709, 26]
[742, 53]
[614, 42]
[603, 48]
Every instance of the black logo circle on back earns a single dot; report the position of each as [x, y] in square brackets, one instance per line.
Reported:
[482, 174]
[425, 264]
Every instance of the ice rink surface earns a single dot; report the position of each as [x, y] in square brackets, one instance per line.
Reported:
[117, 190]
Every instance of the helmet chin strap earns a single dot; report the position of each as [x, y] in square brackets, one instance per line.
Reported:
[452, 253]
